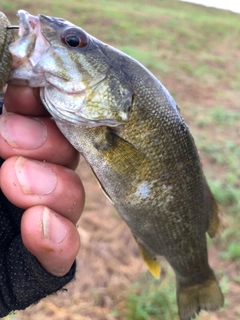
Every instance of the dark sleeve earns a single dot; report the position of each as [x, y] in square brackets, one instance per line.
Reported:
[23, 281]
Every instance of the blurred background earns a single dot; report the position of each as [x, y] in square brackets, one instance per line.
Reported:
[194, 51]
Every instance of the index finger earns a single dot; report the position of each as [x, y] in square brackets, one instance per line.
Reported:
[24, 100]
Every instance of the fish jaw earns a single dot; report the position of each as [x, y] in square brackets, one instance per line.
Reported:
[78, 85]
[27, 51]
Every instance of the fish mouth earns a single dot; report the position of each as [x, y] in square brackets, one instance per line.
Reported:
[30, 28]
[27, 51]
[27, 23]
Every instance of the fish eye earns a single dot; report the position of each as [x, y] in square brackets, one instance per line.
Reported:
[74, 38]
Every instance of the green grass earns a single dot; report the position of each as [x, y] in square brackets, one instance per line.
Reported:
[195, 52]
[152, 299]
[226, 154]
[233, 251]
[218, 116]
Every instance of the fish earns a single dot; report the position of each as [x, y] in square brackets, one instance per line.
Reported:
[129, 129]
[6, 37]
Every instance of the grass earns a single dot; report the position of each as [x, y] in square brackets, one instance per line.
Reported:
[194, 51]
[218, 116]
[151, 299]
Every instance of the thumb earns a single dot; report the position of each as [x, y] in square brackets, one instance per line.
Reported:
[51, 238]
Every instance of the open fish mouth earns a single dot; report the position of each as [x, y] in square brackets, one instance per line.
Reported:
[31, 45]
[27, 23]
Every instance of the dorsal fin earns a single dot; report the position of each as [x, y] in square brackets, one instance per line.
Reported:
[215, 223]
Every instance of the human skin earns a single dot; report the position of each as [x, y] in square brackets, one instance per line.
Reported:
[38, 176]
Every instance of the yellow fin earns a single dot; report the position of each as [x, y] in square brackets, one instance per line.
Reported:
[153, 267]
[151, 262]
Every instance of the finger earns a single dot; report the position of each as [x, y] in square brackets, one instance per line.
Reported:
[24, 100]
[37, 138]
[51, 238]
[28, 183]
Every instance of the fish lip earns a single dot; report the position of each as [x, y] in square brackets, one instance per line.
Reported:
[24, 25]
[27, 22]
[27, 51]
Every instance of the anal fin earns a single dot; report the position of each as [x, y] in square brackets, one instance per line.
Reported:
[151, 262]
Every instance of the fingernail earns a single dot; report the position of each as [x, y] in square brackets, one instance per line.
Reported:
[53, 227]
[22, 132]
[35, 177]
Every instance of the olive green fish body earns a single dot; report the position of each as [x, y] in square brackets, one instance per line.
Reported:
[151, 171]
[130, 130]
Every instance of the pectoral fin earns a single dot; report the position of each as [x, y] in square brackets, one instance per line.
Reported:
[122, 156]
[151, 262]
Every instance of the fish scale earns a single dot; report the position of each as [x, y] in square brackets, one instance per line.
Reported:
[130, 130]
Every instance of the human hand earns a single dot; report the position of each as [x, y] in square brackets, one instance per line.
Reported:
[50, 192]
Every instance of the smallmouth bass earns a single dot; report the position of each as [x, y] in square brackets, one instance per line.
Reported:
[129, 129]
